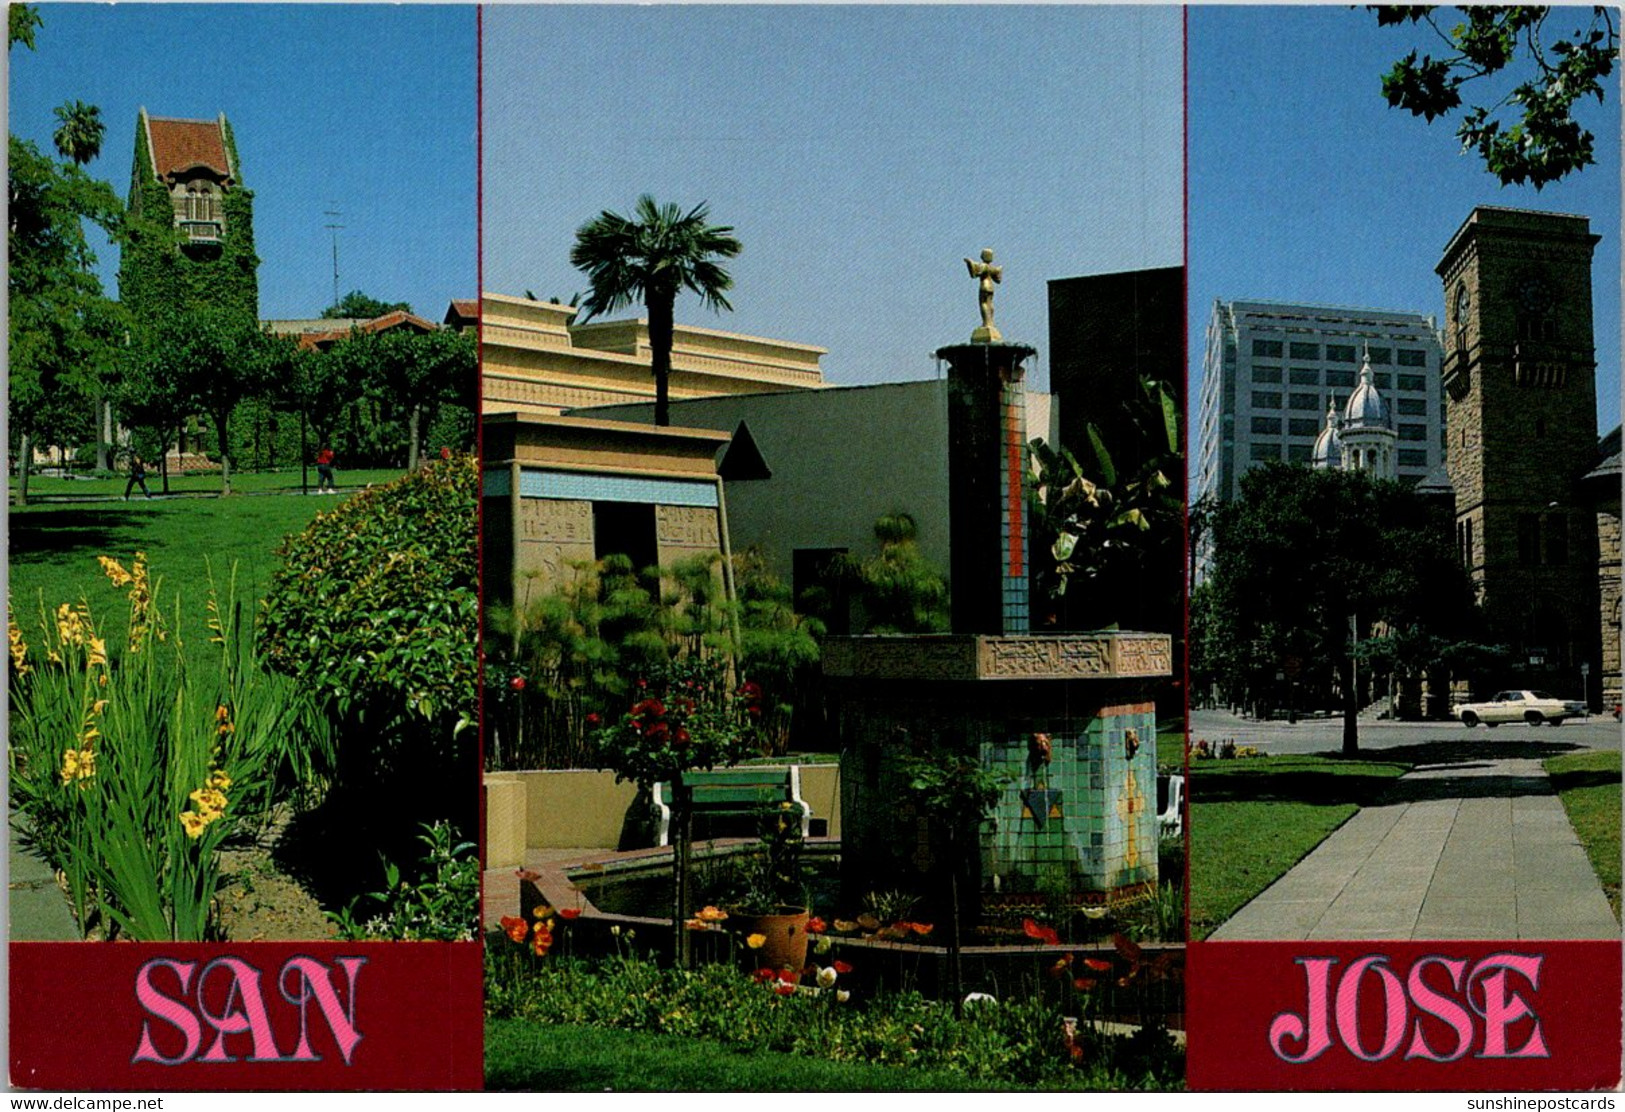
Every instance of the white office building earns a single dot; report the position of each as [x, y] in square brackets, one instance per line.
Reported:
[1272, 371]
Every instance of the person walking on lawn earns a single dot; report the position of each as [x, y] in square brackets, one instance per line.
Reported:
[138, 476]
[324, 471]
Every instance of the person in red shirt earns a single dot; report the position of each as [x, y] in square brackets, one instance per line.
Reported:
[324, 472]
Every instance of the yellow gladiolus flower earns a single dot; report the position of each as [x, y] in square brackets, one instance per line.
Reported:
[209, 801]
[78, 765]
[194, 824]
[19, 647]
[115, 571]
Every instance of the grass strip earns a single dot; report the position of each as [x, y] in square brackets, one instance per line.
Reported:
[1253, 818]
[525, 1056]
[1588, 783]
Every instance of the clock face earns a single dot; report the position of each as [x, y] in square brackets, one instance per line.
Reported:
[1535, 293]
[1463, 303]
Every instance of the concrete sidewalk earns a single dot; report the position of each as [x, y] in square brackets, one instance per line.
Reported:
[37, 911]
[1481, 849]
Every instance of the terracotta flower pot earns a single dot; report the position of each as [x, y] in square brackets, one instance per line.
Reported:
[786, 934]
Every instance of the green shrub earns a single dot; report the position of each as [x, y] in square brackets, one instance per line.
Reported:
[374, 611]
[376, 604]
[438, 903]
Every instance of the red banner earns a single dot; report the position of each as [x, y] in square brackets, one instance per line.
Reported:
[1451, 1016]
[260, 1015]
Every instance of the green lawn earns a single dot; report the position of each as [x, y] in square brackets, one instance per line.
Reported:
[525, 1056]
[246, 482]
[1253, 819]
[1588, 783]
[1170, 746]
[54, 549]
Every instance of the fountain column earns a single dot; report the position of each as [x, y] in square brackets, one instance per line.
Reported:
[1069, 717]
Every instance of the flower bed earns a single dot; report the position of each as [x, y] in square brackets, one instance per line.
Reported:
[834, 1009]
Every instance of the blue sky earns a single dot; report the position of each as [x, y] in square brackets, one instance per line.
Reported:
[373, 107]
[859, 153]
[1306, 186]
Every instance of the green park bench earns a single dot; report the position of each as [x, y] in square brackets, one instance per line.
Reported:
[734, 791]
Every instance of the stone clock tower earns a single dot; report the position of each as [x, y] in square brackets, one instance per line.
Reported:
[1520, 386]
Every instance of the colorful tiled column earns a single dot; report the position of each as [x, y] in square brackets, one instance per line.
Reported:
[987, 497]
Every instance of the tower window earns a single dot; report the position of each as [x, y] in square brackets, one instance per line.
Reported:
[1529, 539]
[1557, 539]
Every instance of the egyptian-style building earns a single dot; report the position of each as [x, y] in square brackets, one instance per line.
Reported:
[535, 359]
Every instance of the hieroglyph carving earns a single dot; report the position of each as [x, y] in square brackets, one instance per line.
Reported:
[547, 519]
[686, 527]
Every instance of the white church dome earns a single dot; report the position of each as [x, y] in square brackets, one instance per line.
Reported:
[1327, 452]
[1366, 406]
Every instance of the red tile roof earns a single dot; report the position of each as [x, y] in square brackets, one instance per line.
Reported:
[181, 144]
[376, 324]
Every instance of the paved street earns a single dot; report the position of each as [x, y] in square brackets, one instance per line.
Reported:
[1472, 843]
[1317, 735]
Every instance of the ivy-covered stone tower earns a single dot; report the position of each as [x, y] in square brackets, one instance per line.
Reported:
[191, 222]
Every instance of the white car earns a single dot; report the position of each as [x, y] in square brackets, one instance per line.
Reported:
[1533, 707]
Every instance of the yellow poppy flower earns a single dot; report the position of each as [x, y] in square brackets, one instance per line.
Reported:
[756, 941]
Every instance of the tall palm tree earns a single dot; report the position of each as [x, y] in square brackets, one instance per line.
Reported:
[651, 257]
[79, 135]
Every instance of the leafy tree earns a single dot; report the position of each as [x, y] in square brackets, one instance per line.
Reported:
[404, 370]
[651, 258]
[356, 305]
[62, 327]
[219, 359]
[1306, 560]
[1529, 133]
[79, 133]
[21, 19]
[1113, 523]
[151, 393]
